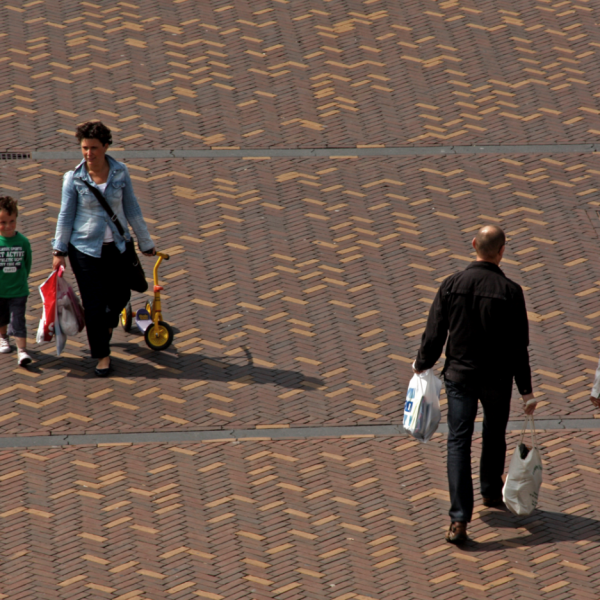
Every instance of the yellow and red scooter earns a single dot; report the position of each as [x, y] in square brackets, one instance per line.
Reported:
[157, 333]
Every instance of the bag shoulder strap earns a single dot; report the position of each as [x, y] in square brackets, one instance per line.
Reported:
[106, 206]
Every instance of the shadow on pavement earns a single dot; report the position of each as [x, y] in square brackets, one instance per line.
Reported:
[543, 527]
[167, 365]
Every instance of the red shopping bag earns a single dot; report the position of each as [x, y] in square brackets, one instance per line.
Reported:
[60, 303]
[46, 330]
[68, 308]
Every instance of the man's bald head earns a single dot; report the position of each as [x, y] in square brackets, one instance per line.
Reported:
[489, 242]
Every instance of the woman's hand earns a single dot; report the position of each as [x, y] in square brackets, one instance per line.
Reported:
[58, 261]
[595, 401]
[151, 252]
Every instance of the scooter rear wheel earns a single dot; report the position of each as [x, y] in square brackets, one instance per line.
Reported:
[127, 317]
[159, 339]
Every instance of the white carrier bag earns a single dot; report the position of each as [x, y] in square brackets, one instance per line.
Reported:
[522, 487]
[422, 407]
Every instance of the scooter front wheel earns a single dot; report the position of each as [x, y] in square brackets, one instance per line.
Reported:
[159, 337]
[127, 317]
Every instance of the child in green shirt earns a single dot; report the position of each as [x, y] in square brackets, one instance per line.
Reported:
[15, 265]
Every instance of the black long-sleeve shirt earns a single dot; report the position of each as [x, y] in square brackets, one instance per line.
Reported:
[483, 314]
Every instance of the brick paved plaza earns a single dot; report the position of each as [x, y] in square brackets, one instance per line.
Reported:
[298, 289]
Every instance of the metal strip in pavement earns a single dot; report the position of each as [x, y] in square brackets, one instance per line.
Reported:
[292, 433]
[586, 148]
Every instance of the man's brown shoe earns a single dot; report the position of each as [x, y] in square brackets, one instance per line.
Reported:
[457, 534]
[492, 502]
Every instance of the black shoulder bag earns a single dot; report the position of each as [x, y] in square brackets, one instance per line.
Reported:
[137, 277]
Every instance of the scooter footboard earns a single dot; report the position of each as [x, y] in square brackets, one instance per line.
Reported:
[143, 319]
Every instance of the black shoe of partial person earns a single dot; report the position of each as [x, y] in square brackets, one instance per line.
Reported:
[457, 534]
[493, 502]
[103, 372]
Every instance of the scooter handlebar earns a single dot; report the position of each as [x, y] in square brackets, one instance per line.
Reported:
[163, 255]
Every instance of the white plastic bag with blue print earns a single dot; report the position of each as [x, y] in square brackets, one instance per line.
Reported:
[422, 412]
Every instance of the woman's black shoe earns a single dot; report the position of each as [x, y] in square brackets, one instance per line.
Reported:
[103, 372]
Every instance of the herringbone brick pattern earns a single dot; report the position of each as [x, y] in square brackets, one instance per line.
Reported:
[299, 288]
[204, 74]
[359, 519]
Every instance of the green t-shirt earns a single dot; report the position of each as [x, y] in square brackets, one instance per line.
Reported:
[15, 264]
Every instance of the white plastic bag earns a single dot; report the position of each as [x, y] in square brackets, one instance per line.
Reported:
[69, 314]
[66, 316]
[422, 407]
[522, 487]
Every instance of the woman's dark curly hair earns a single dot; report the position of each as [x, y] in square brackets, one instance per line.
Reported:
[94, 130]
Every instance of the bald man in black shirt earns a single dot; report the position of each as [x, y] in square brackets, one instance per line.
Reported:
[483, 315]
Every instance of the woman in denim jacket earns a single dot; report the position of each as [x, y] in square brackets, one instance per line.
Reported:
[85, 234]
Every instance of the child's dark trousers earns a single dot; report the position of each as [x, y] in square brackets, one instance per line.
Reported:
[12, 313]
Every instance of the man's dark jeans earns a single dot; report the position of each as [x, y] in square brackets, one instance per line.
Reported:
[462, 410]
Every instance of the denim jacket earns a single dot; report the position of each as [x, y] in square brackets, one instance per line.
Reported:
[82, 221]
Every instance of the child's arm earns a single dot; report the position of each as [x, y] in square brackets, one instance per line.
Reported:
[28, 258]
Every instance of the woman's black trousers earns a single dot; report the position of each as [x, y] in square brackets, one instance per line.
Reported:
[104, 292]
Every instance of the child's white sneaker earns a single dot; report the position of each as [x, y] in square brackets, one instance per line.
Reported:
[4, 345]
[24, 358]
